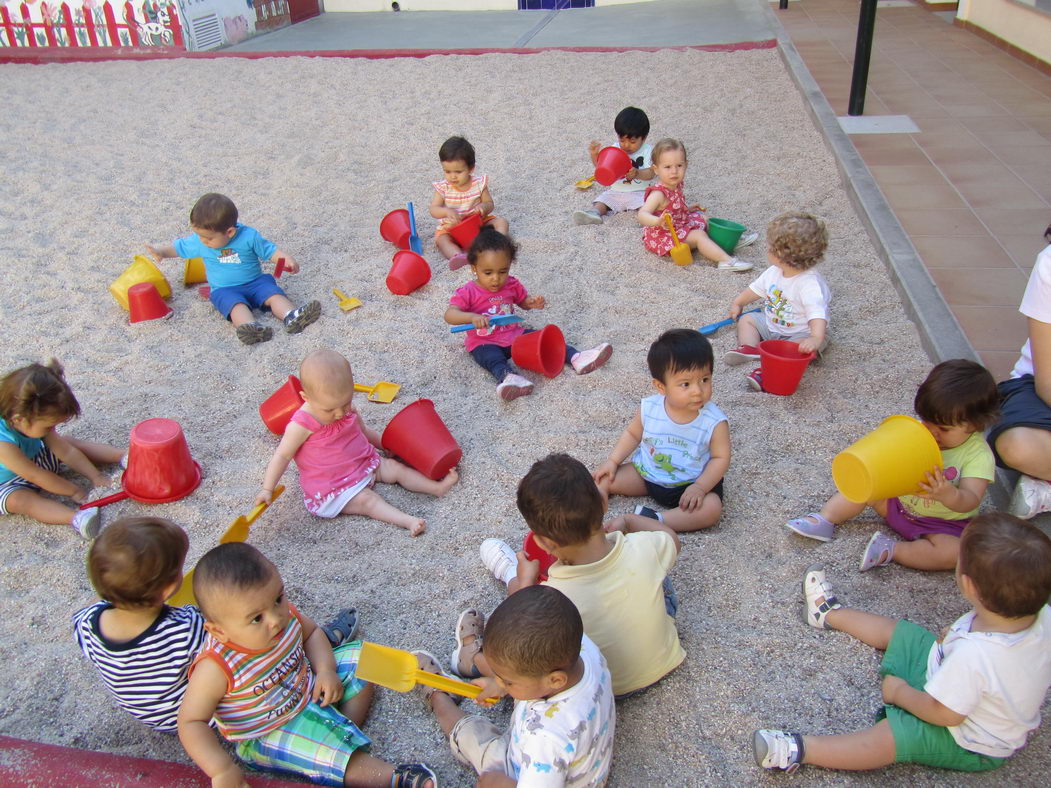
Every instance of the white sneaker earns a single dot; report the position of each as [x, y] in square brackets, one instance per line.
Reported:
[514, 386]
[777, 749]
[586, 217]
[820, 600]
[500, 559]
[746, 240]
[589, 360]
[86, 522]
[1030, 498]
[735, 265]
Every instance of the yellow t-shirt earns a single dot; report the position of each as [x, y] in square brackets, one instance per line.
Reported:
[971, 459]
[621, 602]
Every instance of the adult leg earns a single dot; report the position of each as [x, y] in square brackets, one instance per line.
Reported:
[370, 504]
[704, 516]
[867, 749]
[1026, 449]
[36, 506]
[932, 552]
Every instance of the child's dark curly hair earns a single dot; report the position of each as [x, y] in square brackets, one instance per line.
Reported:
[958, 392]
[490, 240]
[35, 391]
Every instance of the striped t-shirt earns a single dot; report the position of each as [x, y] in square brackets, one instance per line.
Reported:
[458, 200]
[147, 674]
[264, 689]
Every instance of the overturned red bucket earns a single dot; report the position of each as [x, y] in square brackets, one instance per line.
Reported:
[145, 303]
[277, 409]
[408, 272]
[395, 227]
[419, 436]
[542, 351]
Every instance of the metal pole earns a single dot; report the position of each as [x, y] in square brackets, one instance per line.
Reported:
[862, 53]
[784, 5]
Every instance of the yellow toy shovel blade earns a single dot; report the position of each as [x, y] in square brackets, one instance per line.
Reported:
[586, 184]
[384, 391]
[346, 303]
[681, 254]
[398, 670]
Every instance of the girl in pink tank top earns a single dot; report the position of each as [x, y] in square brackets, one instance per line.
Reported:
[337, 455]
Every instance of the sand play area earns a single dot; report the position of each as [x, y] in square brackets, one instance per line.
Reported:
[101, 158]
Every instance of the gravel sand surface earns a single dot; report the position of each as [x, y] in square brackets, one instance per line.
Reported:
[100, 158]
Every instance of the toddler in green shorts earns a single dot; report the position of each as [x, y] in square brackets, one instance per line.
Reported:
[268, 677]
[966, 701]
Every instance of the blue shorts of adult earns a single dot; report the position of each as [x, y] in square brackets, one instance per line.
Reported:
[917, 741]
[254, 294]
[1020, 406]
[668, 497]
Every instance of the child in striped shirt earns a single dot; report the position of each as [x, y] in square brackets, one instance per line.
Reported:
[458, 196]
[141, 646]
[269, 678]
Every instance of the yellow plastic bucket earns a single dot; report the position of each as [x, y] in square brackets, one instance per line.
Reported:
[142, 270]
[888, 462]
[194, 274]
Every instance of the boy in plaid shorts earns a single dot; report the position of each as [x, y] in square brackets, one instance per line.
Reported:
[269, 678]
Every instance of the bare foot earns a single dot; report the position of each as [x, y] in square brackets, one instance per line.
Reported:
[447, 482]
[415, 526]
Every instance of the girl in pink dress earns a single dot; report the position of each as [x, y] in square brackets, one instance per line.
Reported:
[337, 455]
[666, 197]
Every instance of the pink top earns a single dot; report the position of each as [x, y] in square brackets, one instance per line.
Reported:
[474, 298]
[334, 457]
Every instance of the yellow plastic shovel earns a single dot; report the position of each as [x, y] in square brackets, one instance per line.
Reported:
[384, 391]
[681, 254]
[586, 184]
[237, 532]
[346, 303]
[398, 670]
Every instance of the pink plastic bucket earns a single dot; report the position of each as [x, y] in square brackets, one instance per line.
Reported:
[783, 365]
[419, 436]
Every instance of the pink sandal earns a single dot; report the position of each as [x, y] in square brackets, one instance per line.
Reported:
[470, 622]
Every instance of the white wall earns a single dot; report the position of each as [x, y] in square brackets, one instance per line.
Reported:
[1026, 28]
[442, 5]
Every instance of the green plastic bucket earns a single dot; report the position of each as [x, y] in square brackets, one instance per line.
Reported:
[725, 233]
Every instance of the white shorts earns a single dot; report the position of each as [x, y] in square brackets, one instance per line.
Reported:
[333, 505]
[621, 201]
[478, 743]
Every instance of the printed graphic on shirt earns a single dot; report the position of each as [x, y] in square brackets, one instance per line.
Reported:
[498, 306]
[229, 257]
[778, 308]
[284, 686]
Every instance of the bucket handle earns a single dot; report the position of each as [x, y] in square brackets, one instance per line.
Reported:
[122, 495]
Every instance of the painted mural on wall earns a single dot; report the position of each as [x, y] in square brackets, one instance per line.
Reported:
[232, 20]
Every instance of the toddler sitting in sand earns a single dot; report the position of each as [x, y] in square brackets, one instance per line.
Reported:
[34, 400]
[795, 297]
[631, 127]
[966, 700]
[458, 196]
[270, 681]
[337, 454]
[232, 253]
[956, 402]
[494, 292]
[678, 442]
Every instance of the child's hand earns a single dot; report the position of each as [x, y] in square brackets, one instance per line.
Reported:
[452, 216]
[480, 321]
[231, 777]
[604, 473]
[937, 487]
[891, 685]
[154, 253]
[630, 175]
[534, 302]
[328, 689]
[692, 498]
[616, 524]
[735, 311]
[264, 498]
[594, 148]
[809, 345]
[695, 208]
[528, 571]
[491, 691]
[291, 266]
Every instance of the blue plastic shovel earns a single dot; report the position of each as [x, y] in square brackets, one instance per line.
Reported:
[414, 239]
[495, 320]
[711, 328]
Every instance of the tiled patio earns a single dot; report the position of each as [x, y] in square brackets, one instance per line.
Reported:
[973, 187]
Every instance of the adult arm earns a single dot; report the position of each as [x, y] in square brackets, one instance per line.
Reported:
[1040, 346]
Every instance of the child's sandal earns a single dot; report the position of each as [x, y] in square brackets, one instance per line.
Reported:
[812, 526]
[413, 775]
[461, 662]
[342, 628]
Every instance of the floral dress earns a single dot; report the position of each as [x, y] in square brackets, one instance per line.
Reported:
[657, 239]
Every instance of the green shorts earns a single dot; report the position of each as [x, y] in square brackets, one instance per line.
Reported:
[916, 741]
[317, 743]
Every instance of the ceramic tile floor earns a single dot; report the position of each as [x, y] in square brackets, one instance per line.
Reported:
[973, 187]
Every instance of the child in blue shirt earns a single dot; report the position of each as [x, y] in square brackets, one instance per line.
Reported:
[232, 253]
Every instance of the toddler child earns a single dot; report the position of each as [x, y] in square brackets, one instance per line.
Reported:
[956, 402]
[269, 679]
[459, 195]
[618, 581]
[232, 253]
[678, 442]
[142, 647]
[34, 400]
[337, 454]
[632, 127]
[495, 292]
[563, 721]
[795, 297]
[669, 164]
[964, 701]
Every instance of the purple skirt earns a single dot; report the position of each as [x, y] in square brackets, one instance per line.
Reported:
[913, 526]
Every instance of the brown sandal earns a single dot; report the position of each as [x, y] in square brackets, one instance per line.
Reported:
[470, 622]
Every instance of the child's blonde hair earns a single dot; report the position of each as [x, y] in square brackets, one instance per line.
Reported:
[37, 390]
[797, 239]
[665, 145]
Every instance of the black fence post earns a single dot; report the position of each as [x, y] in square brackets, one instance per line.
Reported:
[862, 54]
[784, 5]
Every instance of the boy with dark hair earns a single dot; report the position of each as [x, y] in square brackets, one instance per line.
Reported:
[232, 253]
[563, 721]
[678, 442]
[631, 127]
[618, 581]
[965, 701]
[141, 646]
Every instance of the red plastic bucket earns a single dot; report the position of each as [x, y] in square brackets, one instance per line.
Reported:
[535, 552]
[160, 468]
[541, 351]
[408, 272]
[783, 365]
[277, 409]
[395, 227]
[612, 164]
[145, 303]
[466, 231]
[419, 436]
